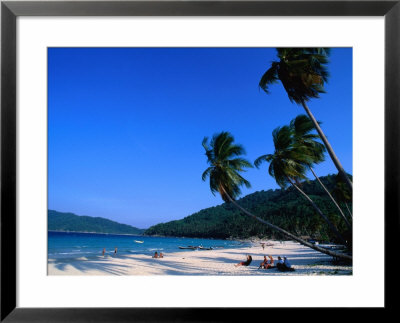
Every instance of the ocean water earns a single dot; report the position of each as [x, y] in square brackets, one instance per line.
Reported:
[75, 245]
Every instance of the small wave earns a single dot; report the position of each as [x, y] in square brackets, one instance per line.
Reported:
[77, 252]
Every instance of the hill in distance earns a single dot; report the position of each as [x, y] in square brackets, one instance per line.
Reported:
[285, 208]
[60, 221]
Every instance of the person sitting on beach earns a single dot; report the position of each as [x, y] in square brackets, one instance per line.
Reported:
[287, 265]
[270, 264]
[279, 265]
[161, 255]
[155, 255]
[245, 263]
[264, 263]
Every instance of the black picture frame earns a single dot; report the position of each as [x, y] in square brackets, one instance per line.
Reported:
[10, 10]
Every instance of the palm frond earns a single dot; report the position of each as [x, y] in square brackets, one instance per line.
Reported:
[306, 145]
[206, 173]
[269, 77]
[231, 151]
[239, 164]
[260, 160]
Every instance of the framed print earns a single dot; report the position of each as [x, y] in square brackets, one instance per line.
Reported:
[178, 160]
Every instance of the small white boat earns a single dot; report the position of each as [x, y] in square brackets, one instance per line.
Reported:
[137, 241]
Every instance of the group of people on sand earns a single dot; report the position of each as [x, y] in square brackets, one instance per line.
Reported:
[158, 255]
[284, 264]
[267, 264]
[281, 265]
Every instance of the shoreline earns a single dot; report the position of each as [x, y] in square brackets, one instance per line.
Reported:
[218, 262]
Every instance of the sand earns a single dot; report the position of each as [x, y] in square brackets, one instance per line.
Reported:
[204, 262]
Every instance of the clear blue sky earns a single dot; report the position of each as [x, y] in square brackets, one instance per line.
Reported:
[125, 125]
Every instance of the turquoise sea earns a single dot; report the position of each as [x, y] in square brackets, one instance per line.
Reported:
[75, 245]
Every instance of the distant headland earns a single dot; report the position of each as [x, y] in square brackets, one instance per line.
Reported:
[69, 222]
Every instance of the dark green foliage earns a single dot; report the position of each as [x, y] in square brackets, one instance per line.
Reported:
[288, 160]
[302, 71]
[307, 140]
[59, 221]
[226, 163]
[340, 191]
[285, 208]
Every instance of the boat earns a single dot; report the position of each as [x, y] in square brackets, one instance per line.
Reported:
[204, 248]
[137, 241]
[195, 248]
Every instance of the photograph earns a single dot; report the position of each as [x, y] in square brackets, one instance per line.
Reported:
[200, 161]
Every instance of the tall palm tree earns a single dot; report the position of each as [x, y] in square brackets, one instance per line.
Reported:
[225, 162]
[287, 165]
[303, 136]
[303, 73]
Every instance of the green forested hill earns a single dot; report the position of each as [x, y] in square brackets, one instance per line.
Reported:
[59, 221]
[284, 208]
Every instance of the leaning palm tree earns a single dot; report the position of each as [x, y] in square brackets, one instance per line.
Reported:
[287, 165]
[303, 73]
[303, 137]
[225, 165]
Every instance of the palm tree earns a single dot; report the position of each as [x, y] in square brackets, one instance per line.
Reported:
[225, 165]
[302, 128]
[287, 165]
[303, 73]
[225, 162]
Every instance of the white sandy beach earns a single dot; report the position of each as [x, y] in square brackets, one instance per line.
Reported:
[203, 262]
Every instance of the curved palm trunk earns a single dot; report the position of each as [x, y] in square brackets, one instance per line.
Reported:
[288, 234]
[331, 226]
[328, 147]
[348, 209]
[333, 200]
